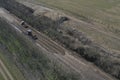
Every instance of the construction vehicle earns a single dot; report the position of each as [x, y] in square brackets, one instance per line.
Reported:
[29, 32]
[63, 19]
[24, 24]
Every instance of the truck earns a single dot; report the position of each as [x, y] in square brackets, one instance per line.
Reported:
[24, 24]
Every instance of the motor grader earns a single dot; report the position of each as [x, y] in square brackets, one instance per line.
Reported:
[24, 24]
[29, 31]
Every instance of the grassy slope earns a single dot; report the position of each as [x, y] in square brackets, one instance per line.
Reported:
[5, 58]
[27, 54]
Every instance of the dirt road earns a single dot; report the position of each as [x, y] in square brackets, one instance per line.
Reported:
[84, 68]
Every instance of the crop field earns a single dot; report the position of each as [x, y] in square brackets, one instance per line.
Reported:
[1, 77]
[102, 11]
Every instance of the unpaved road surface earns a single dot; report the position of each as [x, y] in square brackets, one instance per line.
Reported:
[85, 69]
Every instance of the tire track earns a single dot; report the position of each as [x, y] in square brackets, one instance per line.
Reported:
[5, 72]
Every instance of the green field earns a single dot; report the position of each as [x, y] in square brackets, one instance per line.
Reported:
[5, 55]
[1, 77]
[13, 69]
